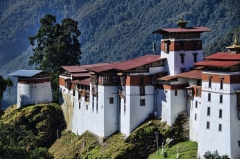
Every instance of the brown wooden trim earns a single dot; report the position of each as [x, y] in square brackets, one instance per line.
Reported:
[29, 81]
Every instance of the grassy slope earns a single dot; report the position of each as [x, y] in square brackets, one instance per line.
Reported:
[186, 150]
[140, 144]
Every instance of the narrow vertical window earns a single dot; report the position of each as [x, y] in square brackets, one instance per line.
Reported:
[194, 45]
[124, 105]
[182, 58]
[182, 45]
[208, 111]
[93, 104]
[195, 57]
[221, 83]
[220, 127]
[142, 91]
[141, 80]
[220, 113]
[166, 47]
[209, 97]
[175, 92]
[196, 104]
[195, 117]
[221, 99]
[86, 107]
[208, 125]
[79, 105]
[209, 82]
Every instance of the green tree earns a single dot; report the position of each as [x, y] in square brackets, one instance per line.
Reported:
[55, 45]
[9, 84]
[3, 86]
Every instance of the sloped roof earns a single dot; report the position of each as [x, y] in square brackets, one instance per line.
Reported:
[81, 75]
[127, 65]
[217, 63]
[182, 30]
[195, 74]
[81, 68]
[85, 81]
[225, 56]
[25, 73]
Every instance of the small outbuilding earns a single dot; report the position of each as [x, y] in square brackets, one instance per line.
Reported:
[33, 86]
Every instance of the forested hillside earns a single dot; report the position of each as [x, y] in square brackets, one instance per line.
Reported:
[119, 30]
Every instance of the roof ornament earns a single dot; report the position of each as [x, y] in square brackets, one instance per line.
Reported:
[181, 23]
[235, 47]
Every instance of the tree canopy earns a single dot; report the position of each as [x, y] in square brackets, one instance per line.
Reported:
[55, 44]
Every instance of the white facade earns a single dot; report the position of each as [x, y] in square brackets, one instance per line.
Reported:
[32, 92]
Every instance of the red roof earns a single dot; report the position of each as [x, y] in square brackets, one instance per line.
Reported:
[127, 65]
[217, 63]
[85, 81]
[195, 74]
[224, 56]
[182, 30]
[82, 68]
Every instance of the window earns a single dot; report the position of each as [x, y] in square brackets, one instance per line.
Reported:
[86, 97]
[209, 97]
[221, 99]
[142, 91]
[182, 45]
[124, 105]
[220, 127]
[208, 111]
[111, 100]
[195, 117]
[73, 92]
[142, 102]
[182, 58]
[209, 82]
[86, 107]
[175, 92]
[220, 113]
[199, 82]
[97, 106]
[73, 104]
[196, 104]
[195, 57]
[221, 83]
[79, 105]
[141, 80]
[166, 47]
[208, 125]
[93, 104]
[194, 45]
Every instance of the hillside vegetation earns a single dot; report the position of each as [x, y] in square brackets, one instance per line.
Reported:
[28, 132]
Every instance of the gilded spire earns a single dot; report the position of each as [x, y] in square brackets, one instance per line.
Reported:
[235, 47]
[181, 23]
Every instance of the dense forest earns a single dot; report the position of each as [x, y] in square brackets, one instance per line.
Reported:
[119, 30]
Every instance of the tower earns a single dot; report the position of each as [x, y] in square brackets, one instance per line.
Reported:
[181, 46]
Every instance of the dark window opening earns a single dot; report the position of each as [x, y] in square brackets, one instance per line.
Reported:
[111, 100]
[209, 82]
[220, 127]
[209, 97]
[221, 84]
[196, 104]
[220, 113]
[142, 102]
[221, 99]
[208, 111]
[182, 45]
[195, 57]
[175, 92]
[208, 125]
[195, 117]
[141, 80]
[182, 58]
[142, 91]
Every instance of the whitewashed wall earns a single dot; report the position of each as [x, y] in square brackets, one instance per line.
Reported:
[136, 114]
[33, 93]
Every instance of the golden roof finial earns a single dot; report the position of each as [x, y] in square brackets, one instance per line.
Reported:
[235, 43]
[181, 19]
